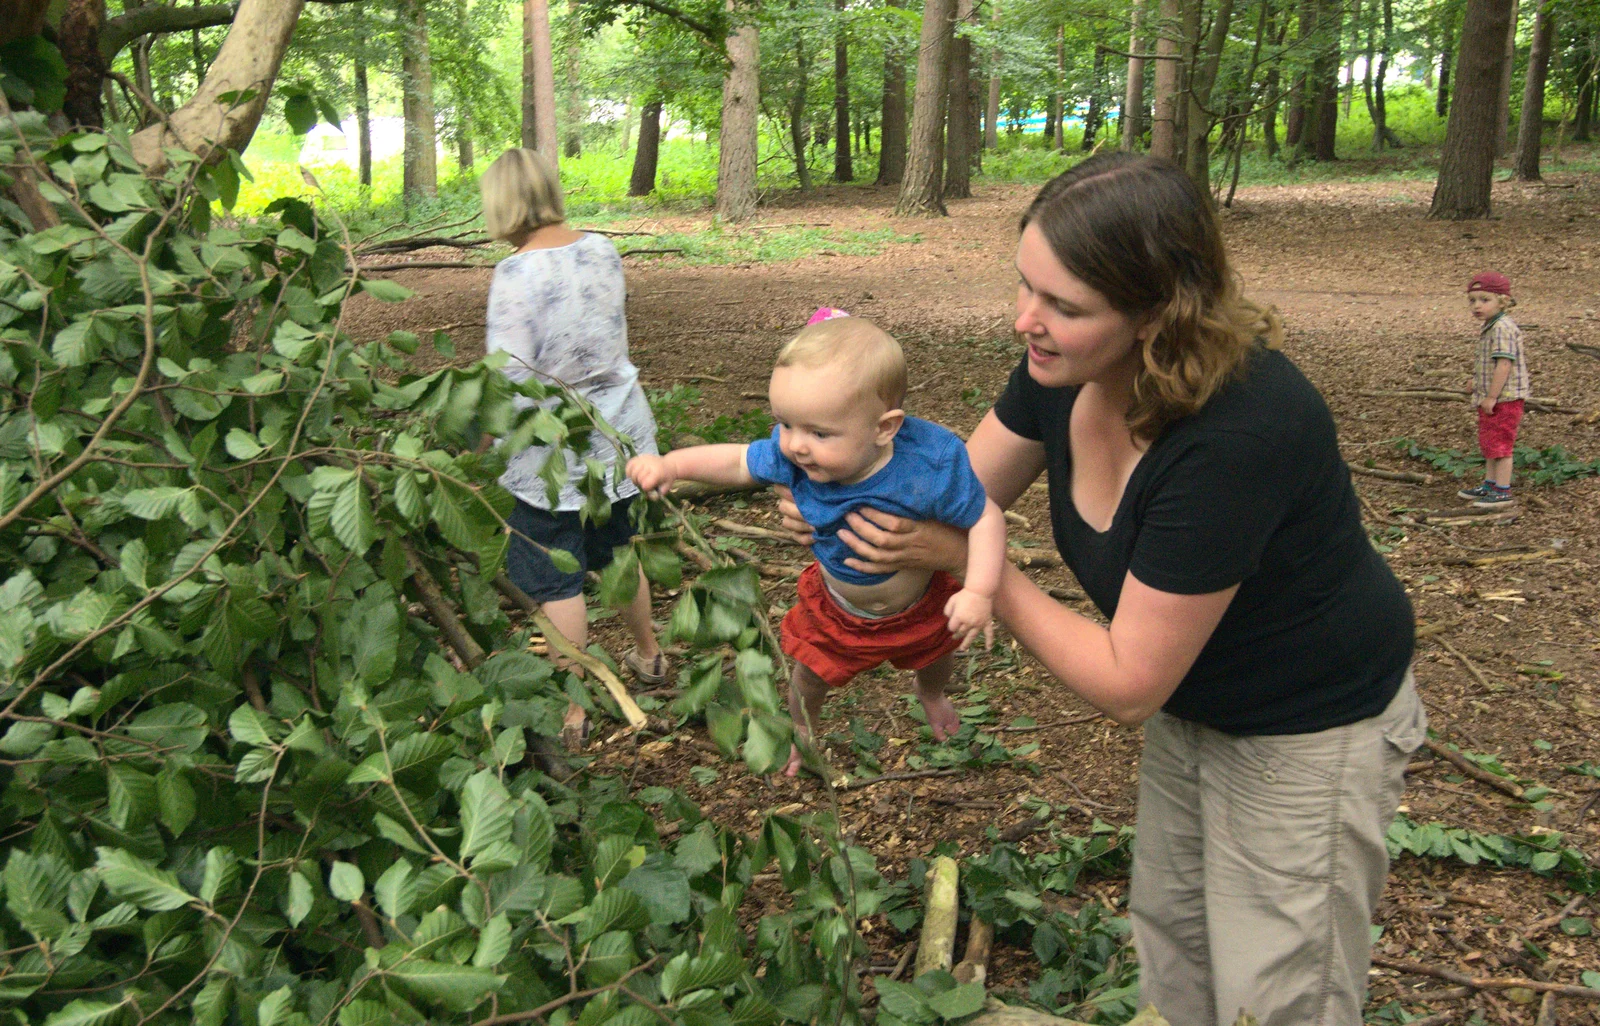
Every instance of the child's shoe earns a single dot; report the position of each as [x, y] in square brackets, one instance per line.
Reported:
[1483, 490]
[1497, 497]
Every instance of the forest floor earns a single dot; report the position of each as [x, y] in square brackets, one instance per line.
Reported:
[1372, 296]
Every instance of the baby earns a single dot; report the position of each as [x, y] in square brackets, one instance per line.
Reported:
[841, 443]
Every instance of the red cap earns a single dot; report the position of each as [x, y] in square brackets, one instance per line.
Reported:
[1491, 281]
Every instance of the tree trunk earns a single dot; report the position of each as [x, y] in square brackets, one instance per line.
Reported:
[79, 38]
[1530, 129]
[539, 75]
[1059, 140]
[643, 181]
[1164, 122]
[843, 171]
[21, 18]
[797, 108]
[1350, 65]
[573, 55]
[1197, 125]
[1096, 113]
[1192, 12]
[464, 153]
[363, 116]
[958, 127]
[1503, 104]
[1381, 132]
[892, 132]
[421, 172]
[1133, 94]
[1269, 113]
[1441, 102]
[922, 188]
[741, 102]
[197, 50]
[991, 109]
[1586, 80]
[249, 60]
[1466, 167]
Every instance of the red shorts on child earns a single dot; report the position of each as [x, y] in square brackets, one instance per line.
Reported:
[1497, 431]
[836, 645]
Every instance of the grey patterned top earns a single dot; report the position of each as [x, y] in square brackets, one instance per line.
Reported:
[558, 314]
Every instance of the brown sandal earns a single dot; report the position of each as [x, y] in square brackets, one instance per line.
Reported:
[652, 671]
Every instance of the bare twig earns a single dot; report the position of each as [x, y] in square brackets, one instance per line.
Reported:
[1486, 982]
[1477, 773]
[856, 785]
[1089, 718]
[1404, 476]
[1461, 656]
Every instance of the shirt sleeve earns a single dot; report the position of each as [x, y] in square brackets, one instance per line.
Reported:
[766, 461]
[1017, 408]
[963, 500]
[509, 327]
[1208, 519]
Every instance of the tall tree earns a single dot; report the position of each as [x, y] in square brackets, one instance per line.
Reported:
[1530, 130]
[1441, 102]
[1093, 117]
[1467, 165]
[573, 56]
[842, 169]
[958, 127]
[892, 132]
[1374, 84]
[1133, 95]
[643, 180]
[1164, 118]
[922, 187]
[1055, 121]
[1503, 103]
[991, 109]
[1274, 78]
[1202, 78]
[741, 102]
[538, 81]
[363, 110]
[420, 160]
[78, 35]
[247, 63]
[797, 106]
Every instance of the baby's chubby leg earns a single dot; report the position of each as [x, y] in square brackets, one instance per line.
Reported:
[807, 692]
[943, 719]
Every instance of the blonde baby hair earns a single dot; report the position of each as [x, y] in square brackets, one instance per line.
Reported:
[865, 351]
[521, 194]
[1506, 302]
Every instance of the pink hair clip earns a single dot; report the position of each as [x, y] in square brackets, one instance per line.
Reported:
[825, 313]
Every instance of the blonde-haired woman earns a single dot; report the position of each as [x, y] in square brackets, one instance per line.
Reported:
[556, 310]
[1198, 493]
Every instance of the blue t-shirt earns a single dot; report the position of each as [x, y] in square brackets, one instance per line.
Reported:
[927, 478]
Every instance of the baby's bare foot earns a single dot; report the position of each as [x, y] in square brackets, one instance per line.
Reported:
[943, 719]
[793, 768]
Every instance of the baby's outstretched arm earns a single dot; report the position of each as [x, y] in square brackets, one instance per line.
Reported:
[969, 609]
[713, 464]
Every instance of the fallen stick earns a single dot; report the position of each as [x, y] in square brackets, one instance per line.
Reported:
[936, 947]
[1013, 517]
[757, 533]
[1033, 559]
[1579, 347]
[1090, 718]
[1510, 557]
[904, 960]
[1437, 627]
[974, 964]
[790, 224]
[693, 491]
[854, 785]
[441, 610]
[1456, 518]
[1461, 657]
[1405, 476]
[1067, 594]
[558, 641]
[1541, 404]
[1547, 1011]
[1477, 773]
[1538, 928]
[1486, 982]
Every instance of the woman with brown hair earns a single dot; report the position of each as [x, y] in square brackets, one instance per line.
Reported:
[1198, 493]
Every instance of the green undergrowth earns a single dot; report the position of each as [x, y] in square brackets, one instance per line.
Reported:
[680, 417]
[1549, 466]
[717, 245]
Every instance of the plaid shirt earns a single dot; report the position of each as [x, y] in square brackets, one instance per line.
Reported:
[1501, 339]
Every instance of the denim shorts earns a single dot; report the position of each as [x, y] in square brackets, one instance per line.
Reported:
[531, 570]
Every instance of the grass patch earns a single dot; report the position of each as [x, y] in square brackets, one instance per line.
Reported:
[716, 245]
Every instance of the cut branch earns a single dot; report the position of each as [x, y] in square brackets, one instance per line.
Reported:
[1485, 982]
[974, 966]
[441, 610]
[1406, 476]
[936, 947]
[1477, 773]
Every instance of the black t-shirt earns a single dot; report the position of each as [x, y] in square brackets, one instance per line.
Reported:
[1250, 491]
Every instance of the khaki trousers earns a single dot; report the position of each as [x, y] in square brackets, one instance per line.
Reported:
[1257, 865]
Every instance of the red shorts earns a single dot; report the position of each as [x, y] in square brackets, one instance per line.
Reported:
[836, 646]
[1497, 431]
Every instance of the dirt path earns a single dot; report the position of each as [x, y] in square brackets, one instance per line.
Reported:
[1371, 293]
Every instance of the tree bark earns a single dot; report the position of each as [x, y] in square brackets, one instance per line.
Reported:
[1197, 125]
[249, 60]
[421, 158]
[138, 22]
[464, 152]
[797, 107]
[843, 171]
[363, 116]
[78, 36]
[958, 127]
[892, 133]
[573, 55]
[1164, 120]
[1441, 102]
[643, 180]
[1467, 165]
[539, 75]
[922, 187]
[1530, 129]
[21, 18]
[1583, 118]
[1503, 103]
[1269, 115]
[991, 110]
[1133, 94]
[1096, 112]
[741, 102]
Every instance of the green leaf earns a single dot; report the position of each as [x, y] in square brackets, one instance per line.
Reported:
[614, 858]
[242, 445]
[210, 1005]
[300, 898]
[300, 111]
[351, 517]
[365, 1013]
[608, 957]
[966, 999]
[395, 890]
[86, 1013]
[345, 881]
[222, 869]
[726, 727]
[456, 987]
[904, 1002]
[176, 798]
[613, 909]
[385, 291]
[564, 561]
[494, 943]
[1576, 926]
[153, 503]
[275, 1008]
[486, 813]
[132, 879]
[250, 727]
[76, 344]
